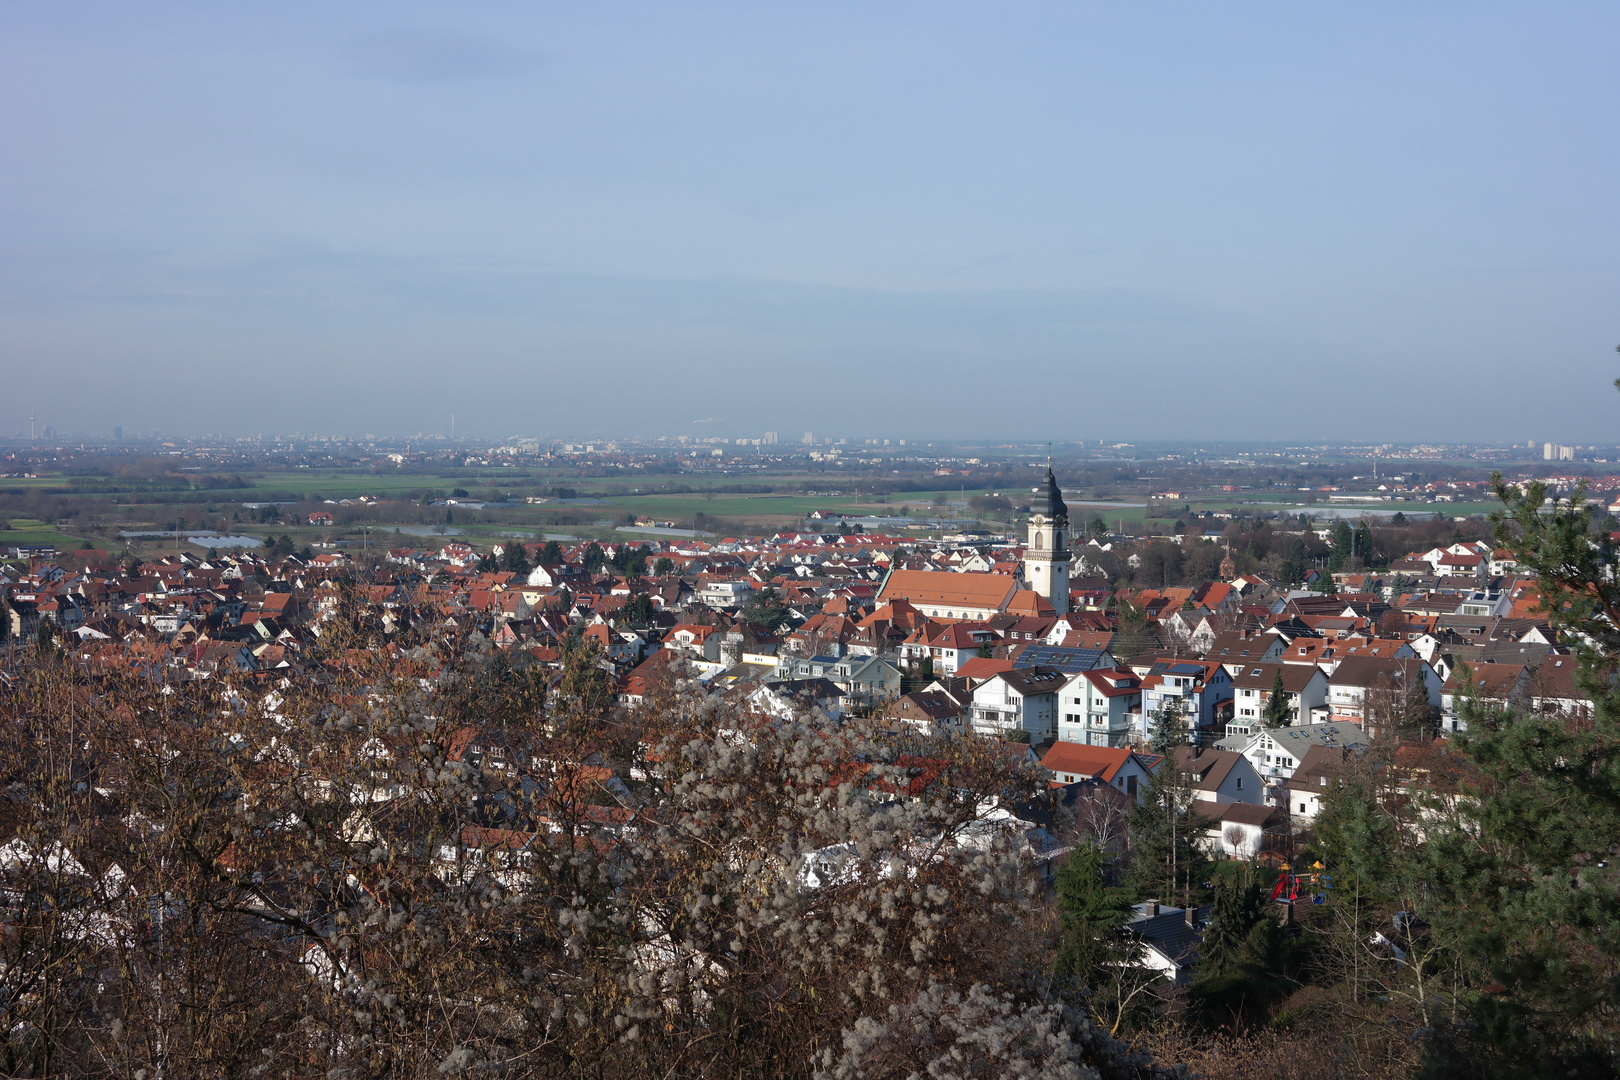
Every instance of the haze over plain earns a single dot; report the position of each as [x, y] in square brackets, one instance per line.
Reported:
[1032, 220]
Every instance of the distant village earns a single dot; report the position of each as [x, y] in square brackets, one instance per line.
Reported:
[1271, 689]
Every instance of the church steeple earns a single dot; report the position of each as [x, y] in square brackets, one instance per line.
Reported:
[1046, 559]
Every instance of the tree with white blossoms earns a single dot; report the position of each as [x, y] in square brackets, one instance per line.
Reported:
[410, 862]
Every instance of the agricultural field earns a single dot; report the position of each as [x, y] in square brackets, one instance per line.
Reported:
[30, 531]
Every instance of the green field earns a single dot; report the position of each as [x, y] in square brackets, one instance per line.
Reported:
[30, 531]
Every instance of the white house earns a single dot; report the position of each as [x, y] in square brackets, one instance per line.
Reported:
[1220, 776]
[1129, 772]
[1169, 937]
[1304, 688]
[1098, 707]
[1024, 699]
[1357, 676]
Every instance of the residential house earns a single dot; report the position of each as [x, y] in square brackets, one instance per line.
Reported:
[1220, 776]
[1360, 684]
[1490, 684]
[1304, 689]
[1276, 753]
[697, 641]
[1237, 651]
[1019, 700]
[948, 646]
[1100, 707]
[1202, 689]
[1170, 937]
[1125, 770]
[932, 712]
[1241, 830]
[1312, 779]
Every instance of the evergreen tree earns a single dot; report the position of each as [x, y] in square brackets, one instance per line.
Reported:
[1363, 544]
[1132, 635]
[631, 561]
[1169, 728]
[638, 610]
[1291, 563]
[514, 559]
[594, 558]
[1167, 862]
[766, 608]
[584, 690]
[551, 554]
[1523, 881]
[1239, 905]
[1341, 538]
[1277, 713]
[1092, 913]
[664, 565]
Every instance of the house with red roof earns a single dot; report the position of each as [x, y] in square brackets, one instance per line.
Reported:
[1100, 707]
[1122, 768]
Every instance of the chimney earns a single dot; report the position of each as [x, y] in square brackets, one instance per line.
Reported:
[1192, 916]
[1152, 908]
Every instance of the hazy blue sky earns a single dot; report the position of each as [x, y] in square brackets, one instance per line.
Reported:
[1061, 220]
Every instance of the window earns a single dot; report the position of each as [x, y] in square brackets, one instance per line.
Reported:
[1302, 808]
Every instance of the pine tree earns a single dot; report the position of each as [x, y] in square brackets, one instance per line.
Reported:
[1277, 713]
[514, 559]
[1167, 861]
[1132, 635]
[766, 608]
[1169, 728]
[1238, 906]
[1341, 538]
[1092, 914]
[1525, 882]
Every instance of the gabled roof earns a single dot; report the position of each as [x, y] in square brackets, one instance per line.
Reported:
[1367, 670]
[1068, 660]
[1262, 676]
[1034, 681]
[1104, 679]
[1209, 769]
[983, 667]
[1077, 759]
[940, 588]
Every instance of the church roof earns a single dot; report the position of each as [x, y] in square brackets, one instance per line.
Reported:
[937, 587]
[1046, 499]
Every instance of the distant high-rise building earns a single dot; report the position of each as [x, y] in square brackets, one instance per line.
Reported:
[1554, 452]
[118, 433]
[770, 438]
[809, 437]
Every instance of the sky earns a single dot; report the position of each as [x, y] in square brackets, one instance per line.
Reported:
[1155, 220]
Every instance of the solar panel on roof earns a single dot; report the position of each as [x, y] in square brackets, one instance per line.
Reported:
[1070, 661]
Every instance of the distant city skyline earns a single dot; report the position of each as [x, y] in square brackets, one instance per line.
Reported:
[1038, 221]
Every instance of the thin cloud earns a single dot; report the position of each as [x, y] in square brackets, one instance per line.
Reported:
[427, 56]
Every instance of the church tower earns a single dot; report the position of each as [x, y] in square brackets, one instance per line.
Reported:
[1046, 561]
